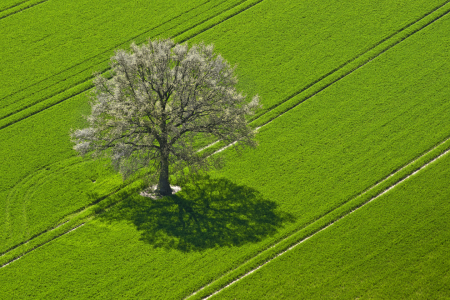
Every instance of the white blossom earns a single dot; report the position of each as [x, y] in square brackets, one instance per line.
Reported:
[161, 95]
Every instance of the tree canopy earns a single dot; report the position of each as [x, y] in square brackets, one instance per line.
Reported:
[160, 97]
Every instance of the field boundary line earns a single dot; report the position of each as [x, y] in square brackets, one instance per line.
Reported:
[329, 225]
[19, 8]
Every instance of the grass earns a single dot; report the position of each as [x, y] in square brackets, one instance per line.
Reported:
[314, 158]
[73, 76]
[57, 70]
[8, 4]
[38, 144]
[47, 143]
[394, 248]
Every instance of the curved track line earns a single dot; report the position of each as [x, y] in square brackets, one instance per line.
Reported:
[327, 226]
[392, 174]
[384, 50]
[36, 179]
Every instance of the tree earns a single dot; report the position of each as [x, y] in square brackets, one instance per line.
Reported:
[160, 97]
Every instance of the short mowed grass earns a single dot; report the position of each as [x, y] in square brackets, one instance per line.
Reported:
[310, 160]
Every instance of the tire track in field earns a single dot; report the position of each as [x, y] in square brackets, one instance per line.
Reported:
[325, 227]
[31, 250]
[367, 190]
[35, 179]
[93, 57]
[49, 230]
[283, 101]
[14, 5]
[104, 71]
[83, 81]
[20, 9]
[97, 55]
[227, 18]
[346, 74]
[353, 60]
[363, 192]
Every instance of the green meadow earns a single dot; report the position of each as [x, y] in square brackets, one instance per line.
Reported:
[395, 248]
[355, 98]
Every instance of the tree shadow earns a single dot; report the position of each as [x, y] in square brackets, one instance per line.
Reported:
[206, 213]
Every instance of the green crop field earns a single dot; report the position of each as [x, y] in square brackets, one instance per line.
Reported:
[355, 99]
[395, 248]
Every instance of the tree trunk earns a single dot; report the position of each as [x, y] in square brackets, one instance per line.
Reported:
[164, 188]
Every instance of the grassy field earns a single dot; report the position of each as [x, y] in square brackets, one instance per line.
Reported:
[46, 145]
[312, 160]
[394, 248]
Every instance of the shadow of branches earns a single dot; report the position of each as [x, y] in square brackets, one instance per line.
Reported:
[206, 213]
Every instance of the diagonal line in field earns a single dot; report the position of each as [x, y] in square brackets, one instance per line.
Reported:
[84, 81]
[344, 75]
[327, 226]
[20, 10]
[117, 45]
[103, 61]
[29, 251]
[14, 5]
[355, 68]
[356, 57]
[285, 100]
[379, 183]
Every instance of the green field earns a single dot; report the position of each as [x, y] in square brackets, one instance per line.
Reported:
[395, 248]
[352, 93]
